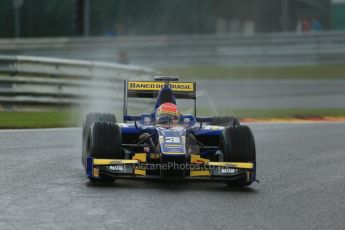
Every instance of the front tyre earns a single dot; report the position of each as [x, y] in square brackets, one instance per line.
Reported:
[238, 146]
[104, 142]
[89, 119]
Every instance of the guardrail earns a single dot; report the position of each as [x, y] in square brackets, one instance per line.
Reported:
[173, 50]
[45, 82]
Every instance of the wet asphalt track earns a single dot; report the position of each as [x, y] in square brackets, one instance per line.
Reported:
[301, 169]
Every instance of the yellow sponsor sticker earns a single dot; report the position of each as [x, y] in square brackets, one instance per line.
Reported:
[239, 165]
[140, 170]
[113, 161]
[95, 172]
[196, 159]
[199, 171]
[156, 86]
[140, 157]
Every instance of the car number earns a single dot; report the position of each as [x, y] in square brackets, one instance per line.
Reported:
[172, 140]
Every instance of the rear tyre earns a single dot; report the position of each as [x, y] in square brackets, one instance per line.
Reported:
[225, 121]
[104, 141]
[238, 146]
[89, 119]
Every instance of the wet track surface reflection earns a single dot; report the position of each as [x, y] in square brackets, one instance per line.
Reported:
[300, 167]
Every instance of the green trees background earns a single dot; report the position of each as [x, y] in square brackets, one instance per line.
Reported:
[50, 18]
[46, 18]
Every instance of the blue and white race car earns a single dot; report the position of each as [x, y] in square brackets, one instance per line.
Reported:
[165, 144]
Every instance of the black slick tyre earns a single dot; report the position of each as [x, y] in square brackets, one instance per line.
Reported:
[104, 142]
[89, 119]
[238, 146]
[225, 121]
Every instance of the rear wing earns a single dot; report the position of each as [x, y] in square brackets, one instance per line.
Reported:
[150, 89]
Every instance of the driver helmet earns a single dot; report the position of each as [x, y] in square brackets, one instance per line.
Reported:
[167, 115]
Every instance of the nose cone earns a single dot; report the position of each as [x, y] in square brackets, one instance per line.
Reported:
[172, 141]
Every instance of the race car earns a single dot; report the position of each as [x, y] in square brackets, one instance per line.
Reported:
[165, 143]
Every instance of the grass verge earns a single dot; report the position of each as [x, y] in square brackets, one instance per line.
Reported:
[56, 119]
[53, 119]
[278, 72]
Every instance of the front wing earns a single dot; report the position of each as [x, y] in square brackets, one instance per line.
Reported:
[197, 169]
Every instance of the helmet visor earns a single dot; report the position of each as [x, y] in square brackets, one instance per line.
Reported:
[167, 119]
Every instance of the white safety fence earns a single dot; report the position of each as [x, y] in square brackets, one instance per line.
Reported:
[38, 82]
[312, 48]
